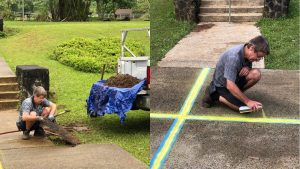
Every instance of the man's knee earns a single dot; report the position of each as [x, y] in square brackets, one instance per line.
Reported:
[22, 125]
[32, 113]
[254, 74]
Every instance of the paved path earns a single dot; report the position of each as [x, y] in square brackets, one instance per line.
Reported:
[5, 71]
[225, 144]
[14, 152]
[202, 49]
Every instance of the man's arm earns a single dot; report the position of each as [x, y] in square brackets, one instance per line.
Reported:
[27, 117]
[232, 87]
[52, 108]
[245, 71]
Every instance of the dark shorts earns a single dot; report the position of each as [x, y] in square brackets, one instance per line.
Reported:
[224, 92]
[35, 126]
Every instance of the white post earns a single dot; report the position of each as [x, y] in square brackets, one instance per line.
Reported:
[23, 10]
[229, 11]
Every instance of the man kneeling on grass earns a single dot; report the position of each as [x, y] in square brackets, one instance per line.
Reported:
[234, 75]
[33, 110]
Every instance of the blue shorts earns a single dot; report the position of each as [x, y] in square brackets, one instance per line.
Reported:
[35, 126]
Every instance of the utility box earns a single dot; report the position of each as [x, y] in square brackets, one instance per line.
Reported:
[134, 66]
[29, 76]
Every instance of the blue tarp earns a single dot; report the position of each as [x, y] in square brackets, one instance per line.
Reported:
[104, 99]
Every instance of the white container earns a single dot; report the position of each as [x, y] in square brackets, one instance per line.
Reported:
[134, 66]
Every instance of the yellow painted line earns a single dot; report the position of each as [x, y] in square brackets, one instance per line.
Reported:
[1, 165]
[226, 119]
[161, 154]
[188, 104]
[1, 158]
[167, 116]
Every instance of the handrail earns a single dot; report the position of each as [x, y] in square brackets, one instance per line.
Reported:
[123, 38]
[229, 11]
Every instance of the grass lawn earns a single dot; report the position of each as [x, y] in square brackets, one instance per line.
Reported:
[165, 30]
[32, 45]
[283, 36]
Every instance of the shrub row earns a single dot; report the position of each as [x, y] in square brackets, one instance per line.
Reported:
[89, 55]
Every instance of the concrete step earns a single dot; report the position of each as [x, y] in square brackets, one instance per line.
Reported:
[234, 9]
[8, 104]
[11, 79]
[233, 2]
[9, 95]
[5, 87]
[235, 17]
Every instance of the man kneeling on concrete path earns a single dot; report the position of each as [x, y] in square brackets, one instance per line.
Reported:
[33, 110]
[234, 75]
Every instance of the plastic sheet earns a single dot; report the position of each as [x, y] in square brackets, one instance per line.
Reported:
[108, 100]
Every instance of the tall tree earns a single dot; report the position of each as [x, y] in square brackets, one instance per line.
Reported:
[69, 10]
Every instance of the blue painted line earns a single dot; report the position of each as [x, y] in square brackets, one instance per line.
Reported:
[172, 144]
[170, 138]
[163, 142]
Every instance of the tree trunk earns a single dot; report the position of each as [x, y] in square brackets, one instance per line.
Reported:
[69, 10]
[1, 24]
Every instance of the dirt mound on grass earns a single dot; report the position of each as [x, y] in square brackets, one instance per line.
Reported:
[122, 81]
[199, 28]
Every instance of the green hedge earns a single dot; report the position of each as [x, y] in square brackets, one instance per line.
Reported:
[89, 55]
[2, 34]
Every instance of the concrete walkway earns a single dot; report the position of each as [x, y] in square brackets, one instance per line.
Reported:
[14, 152]
[203, 49]
[5, 71]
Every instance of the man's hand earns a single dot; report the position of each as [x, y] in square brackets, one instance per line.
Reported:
[254, 105]
[51, 117]
[244, 72]
[39, 118]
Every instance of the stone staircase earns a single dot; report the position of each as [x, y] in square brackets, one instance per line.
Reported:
[241, 10]
[8, 93]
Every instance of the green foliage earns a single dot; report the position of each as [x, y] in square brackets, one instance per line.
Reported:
[90, 55]
[110, 6]
[2, 34]
[41, 8]
[71, 10]
[9, 8]
[283, 37]
[142, 9]
[166, 31]
[142, 6]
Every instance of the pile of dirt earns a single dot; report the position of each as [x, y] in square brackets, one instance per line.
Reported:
[199, 28]
[122, 81]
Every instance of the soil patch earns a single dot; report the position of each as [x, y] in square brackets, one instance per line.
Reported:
[122, 81]
[76, 127]
[199, 28]
[57, 130]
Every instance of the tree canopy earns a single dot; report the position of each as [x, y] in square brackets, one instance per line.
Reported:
[69, 10]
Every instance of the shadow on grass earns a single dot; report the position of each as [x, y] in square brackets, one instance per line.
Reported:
[134, 123]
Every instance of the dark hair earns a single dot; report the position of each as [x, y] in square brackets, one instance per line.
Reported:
[260, 44]
[39, 91]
